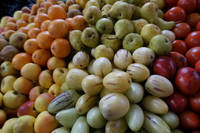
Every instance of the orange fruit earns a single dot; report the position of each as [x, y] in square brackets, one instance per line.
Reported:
[24, 30]
[78, 22]
[20, 59]
[44, 25]
[11, 19]
[41, 10]
[30, 45]
[11, 26]
[53, 1]
[31, 19]
[46, 4]
[56, 12]
[68, 20]
[55, 62]
[25, 17]
[41, 56]
[34, 9]
[60, 48]
[33, 32]
[58, 28]
[39, 18]
[44, 40]
[38, 2]
[20, 23]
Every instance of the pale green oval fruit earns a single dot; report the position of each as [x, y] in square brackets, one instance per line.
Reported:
[132, 41]
[160, 44]
[104, 26]
[95, 119]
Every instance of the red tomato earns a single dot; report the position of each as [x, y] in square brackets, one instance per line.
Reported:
[189, 120]
[198, 26]
[187, 81]
[170, 3]
[175, 14]
[179, 46]
[177, 102]
[179, 59]
[194, 102]
[197, 66]
[165, 66]
[192, 19]
[193, 39]
[193, 55]
[188, 5]
[181, 30]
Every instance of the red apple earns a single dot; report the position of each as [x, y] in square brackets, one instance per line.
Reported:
[164, 66]
[27, 109]
[187, 80]
[177, 102]
[189, 120]
[194, 102]
[36, 91]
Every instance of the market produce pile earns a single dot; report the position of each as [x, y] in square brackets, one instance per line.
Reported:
[113, 66]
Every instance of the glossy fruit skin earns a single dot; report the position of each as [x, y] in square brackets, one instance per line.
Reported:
[187, 81]
[192, 19]
[176, 14]
[189, 120]
[179, 46]
[180, 59]
[197, 66]
[165, 66]
[188, 5]
[181, 30]
[177, 102]
[198, 26]
[193, 39]
[193, 55]
[194, 102]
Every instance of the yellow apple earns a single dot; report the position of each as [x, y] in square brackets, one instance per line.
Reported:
[13, 99]
[31, 71]
[4, 21]
[3, 117]
[64, 87]
[42, 101]
[54, 89]
[8, 125]
[23, 85]
[45, 123]
[59, 75]
[45, 78]
[55, 62]
[24, 124]
[31, 25]
[8, 69]
[17, 14]
[7, 83]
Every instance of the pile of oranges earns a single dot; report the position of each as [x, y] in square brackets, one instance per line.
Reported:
[47, 26]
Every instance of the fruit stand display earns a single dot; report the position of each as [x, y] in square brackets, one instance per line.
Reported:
[101, 66]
